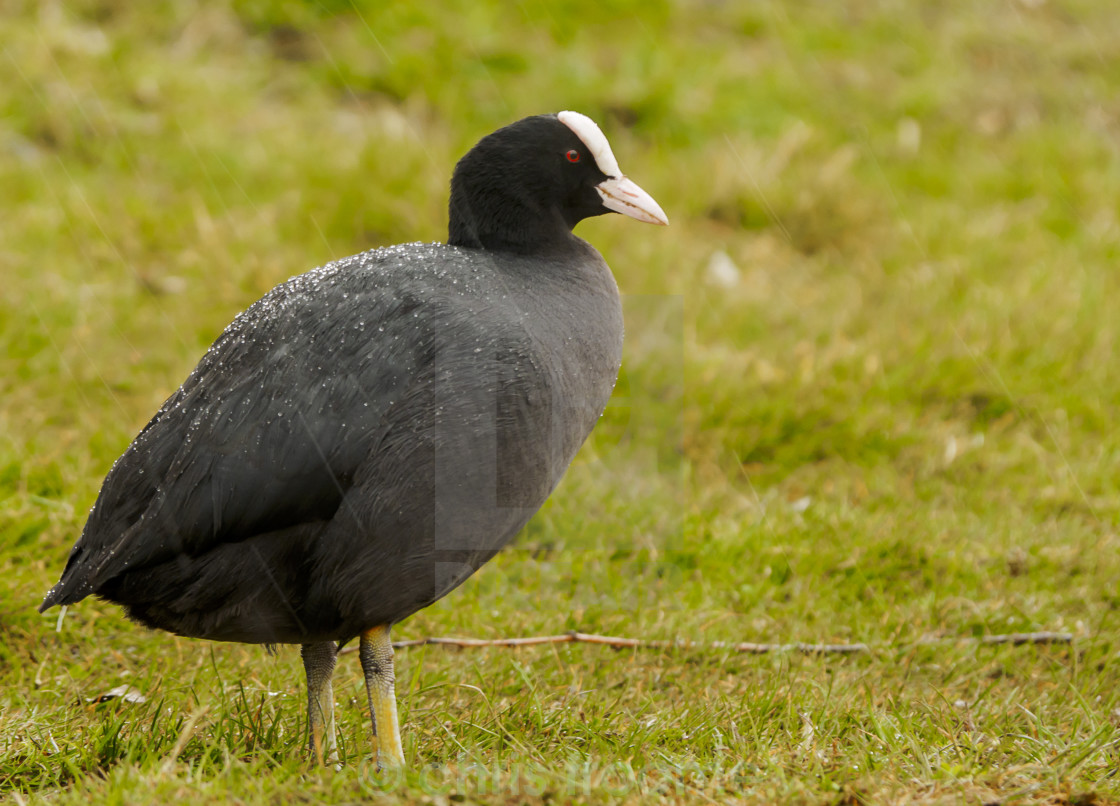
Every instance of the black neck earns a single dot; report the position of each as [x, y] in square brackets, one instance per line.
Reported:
[496, 219]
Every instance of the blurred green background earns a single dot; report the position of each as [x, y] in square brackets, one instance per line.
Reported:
[869, 391]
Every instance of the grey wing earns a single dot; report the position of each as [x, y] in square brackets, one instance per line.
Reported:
[266, 433]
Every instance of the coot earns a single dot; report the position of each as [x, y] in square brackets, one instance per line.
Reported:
[368, 434]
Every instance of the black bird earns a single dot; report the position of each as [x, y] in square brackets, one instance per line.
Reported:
[368, 434]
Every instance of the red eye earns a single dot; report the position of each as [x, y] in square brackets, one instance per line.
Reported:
[573, 156]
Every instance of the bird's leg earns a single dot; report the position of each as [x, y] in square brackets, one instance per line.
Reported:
[318, 662]
[376, 652]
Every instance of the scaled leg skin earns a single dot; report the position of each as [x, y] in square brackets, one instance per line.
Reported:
[318, 662]
[376, 652]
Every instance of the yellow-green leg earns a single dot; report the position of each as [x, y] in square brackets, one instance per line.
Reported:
[376, 652]
[318, 662]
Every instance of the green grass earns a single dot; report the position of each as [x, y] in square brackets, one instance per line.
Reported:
[895, 424]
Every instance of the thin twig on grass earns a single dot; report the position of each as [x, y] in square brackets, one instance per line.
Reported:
[1018, 638]
[616, 642]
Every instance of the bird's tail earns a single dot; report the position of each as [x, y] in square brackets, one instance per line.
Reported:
[74, 584]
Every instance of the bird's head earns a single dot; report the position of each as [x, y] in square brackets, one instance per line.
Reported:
[527, 184]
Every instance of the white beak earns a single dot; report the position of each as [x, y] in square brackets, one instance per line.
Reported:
[623, 196]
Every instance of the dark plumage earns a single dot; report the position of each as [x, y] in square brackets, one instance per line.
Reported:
[367, 435]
